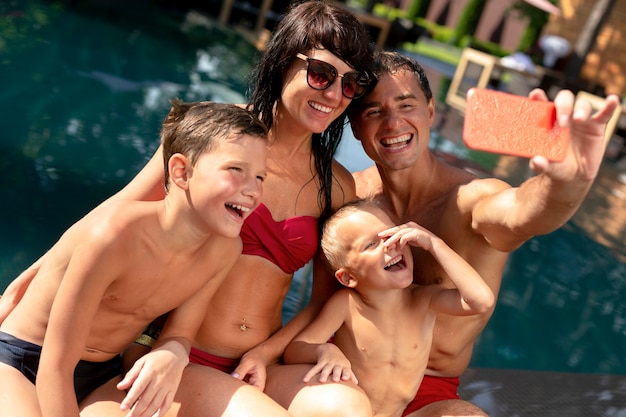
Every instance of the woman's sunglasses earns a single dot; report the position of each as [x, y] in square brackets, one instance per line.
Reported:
[320, 75]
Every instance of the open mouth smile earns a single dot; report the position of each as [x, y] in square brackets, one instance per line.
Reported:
[397, 142]
[396, 263]
[240, 211]
[319, 107]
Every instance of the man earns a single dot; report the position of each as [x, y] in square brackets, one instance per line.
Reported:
[481, 219]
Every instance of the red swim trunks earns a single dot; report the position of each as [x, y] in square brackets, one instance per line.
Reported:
[199, 357]
[433, 389]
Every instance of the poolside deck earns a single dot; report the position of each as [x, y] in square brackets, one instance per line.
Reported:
[516, 393]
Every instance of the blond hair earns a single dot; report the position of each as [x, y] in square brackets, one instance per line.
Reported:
[331, 241]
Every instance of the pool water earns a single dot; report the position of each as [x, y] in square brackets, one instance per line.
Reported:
[83, 91]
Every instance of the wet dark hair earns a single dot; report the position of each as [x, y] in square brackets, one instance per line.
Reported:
[194, 128]
[390, 62]
[309, 25]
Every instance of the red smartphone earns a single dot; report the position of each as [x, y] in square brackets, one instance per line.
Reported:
[507, 124]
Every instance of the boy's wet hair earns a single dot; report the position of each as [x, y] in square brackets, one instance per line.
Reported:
[194, 128]
[308, 25]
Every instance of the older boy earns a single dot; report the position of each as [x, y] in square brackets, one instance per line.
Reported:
[382, 322]
[129, 262]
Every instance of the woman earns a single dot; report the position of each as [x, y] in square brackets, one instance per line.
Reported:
[317, 61]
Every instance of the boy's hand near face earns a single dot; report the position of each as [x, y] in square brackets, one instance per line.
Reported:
[409, 233]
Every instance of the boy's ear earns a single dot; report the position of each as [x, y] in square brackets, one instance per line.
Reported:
[180, 170]
[344, 277]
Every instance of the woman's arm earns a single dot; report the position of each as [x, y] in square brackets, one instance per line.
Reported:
[148, 184]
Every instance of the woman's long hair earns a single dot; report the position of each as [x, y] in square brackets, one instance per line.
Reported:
[309, 25]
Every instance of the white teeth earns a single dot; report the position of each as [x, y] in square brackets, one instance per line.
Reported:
[238, 207]
[395, 260]
[321, 108]
[399, 139]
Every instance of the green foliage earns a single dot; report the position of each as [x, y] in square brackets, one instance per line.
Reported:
[485, 159]
[390, 13]
[437, 32]
[16, 21]
[444, 86]
[468, 21]
[489, 47]
[436, 50]
[461, 35]
[357, 4]
[534, 14]
[418, 9]
[443, 49]
[537, 20]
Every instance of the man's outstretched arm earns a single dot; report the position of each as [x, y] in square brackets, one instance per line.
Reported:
[546, 201]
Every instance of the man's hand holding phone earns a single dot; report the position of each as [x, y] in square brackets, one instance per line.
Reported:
[507, 124]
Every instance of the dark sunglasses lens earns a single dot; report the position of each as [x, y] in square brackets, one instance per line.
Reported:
[320, 75]
[354, 84]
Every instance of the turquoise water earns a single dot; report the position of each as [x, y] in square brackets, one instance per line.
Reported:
[82, 95]
[83, 92]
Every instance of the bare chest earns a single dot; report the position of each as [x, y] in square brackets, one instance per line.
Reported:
[290, 190]
[390, 362]
[151, 288]
[397, 341]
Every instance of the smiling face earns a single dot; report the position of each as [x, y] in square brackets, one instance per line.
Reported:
[225, 184]
[367, 262]
[393, 122]
[313, 110]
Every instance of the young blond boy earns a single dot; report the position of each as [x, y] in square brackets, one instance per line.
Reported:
[382, 324]
[129, 262]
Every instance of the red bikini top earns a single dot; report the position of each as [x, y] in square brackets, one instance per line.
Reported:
[289, 244]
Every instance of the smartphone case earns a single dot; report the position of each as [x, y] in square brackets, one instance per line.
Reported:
[507, 124]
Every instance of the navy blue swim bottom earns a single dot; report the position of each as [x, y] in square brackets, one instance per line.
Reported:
[24, 356]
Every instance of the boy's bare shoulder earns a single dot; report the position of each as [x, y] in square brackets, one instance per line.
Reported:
[101, 230]
[118, 219]
[107, 219]
[342, 297]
